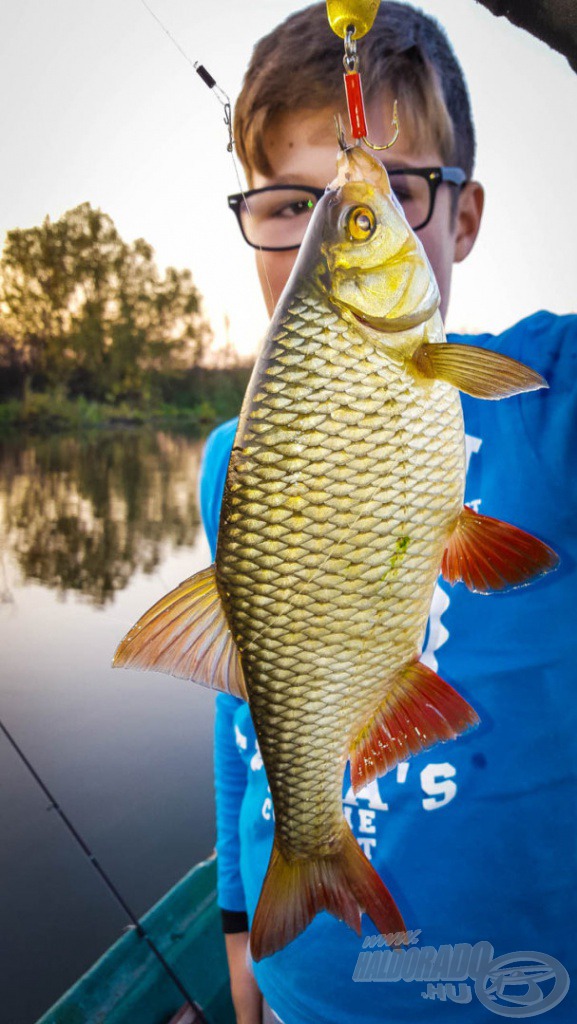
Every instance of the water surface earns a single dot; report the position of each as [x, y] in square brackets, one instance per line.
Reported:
[92, 532]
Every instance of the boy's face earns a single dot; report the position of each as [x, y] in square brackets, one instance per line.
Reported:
[302, 149]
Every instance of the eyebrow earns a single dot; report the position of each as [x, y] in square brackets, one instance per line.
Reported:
[402, 165]
[298, 178]
[292, 179]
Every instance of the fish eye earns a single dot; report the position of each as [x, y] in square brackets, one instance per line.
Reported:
[361, 223]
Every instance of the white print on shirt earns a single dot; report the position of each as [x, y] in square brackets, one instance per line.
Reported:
[472, 445]
[242, 744]
[241, 740]
[370, 793]
[436, 783]
[436, 779]
[363, 827]
[256, 759]
[438, 634]
[267, 808]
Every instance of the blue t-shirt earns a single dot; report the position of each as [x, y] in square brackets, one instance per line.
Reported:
[475, 838]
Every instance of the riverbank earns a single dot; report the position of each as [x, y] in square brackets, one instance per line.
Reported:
[52, 412]
[41, 414]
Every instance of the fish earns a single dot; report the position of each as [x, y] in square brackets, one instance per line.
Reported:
[343, 501]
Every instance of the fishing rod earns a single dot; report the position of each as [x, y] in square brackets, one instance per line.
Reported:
[54, 805]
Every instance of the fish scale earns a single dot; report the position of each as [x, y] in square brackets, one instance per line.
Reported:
[315, 607]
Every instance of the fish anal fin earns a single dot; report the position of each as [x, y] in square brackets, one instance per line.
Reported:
[419, 709]
[294, 891]
[186, 634]
[488, 555]
[476, 371]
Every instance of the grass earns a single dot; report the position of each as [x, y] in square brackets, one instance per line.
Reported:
[50, 413]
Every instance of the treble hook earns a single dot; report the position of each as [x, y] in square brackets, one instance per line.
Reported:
[395, 124]
[344, 145]
[340, 130]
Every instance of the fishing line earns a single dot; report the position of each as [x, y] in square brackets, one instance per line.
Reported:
[224, 100]
[54, 805]
[171, 37]
[6, 594]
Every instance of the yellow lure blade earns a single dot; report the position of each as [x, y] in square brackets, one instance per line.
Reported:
[360, 13]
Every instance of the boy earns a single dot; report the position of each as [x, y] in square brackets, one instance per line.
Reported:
[472, 838]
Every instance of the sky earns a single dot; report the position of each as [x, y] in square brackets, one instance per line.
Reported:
[99, 105]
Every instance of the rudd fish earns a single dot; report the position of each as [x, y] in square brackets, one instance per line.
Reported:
[343, 500]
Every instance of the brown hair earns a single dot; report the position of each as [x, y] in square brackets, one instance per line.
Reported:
[298, 66]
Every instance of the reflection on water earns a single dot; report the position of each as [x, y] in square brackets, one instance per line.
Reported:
[85, 514]
[109, 523]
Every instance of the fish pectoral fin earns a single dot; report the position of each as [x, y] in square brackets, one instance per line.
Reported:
[419, 710]
[342, 882]
[487, 554]
[186, 634]
[476, 371]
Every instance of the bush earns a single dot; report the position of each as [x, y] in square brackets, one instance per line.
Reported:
[51, 412]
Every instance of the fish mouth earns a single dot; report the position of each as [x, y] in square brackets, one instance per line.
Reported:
[389, 325]
[366, 323]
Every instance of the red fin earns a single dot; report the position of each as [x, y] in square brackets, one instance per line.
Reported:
[489, 555]
[476, 371]
[186, 634]
[420, 710]
[343, 883]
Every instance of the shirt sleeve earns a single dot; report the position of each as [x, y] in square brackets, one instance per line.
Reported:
[547, 418]
[550, 425]
[230, 779]
[230, 772]
[213, 472]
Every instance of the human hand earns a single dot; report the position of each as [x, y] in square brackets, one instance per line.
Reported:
[246, 996]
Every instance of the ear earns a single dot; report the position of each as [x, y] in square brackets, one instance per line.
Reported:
[469, 213]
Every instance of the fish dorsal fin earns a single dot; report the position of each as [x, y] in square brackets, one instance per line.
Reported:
[419, 709]
[186, 634]
[488, 555]
[476, 371]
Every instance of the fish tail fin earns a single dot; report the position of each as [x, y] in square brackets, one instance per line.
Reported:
[344, 883]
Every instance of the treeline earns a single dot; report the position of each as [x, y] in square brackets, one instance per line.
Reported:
[84, 314]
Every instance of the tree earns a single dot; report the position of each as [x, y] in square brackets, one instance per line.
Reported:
[82, 308]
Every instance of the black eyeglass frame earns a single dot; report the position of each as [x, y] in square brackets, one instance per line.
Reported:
[434, 176]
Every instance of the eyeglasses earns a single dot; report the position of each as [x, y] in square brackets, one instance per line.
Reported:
[276, 218]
